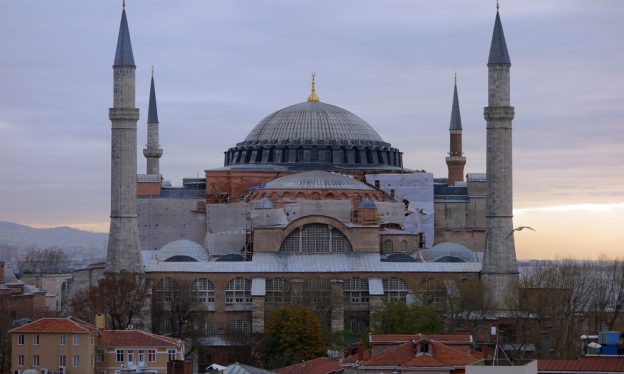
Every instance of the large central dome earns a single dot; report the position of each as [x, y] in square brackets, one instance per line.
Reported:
[313, 135]
[313, 121]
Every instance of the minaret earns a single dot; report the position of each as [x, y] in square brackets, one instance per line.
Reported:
[500, 269]
[123, 239]
[152, 152]
[455, 161]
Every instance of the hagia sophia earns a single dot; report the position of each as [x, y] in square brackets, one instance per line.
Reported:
[312, 207]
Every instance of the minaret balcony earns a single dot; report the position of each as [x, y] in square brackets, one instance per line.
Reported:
[152, 152]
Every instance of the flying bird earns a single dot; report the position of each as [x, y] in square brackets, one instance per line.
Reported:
[519, 228]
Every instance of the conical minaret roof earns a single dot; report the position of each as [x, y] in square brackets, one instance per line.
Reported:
[152, 113]
[498, 48]
[124, 56]
[455, 115]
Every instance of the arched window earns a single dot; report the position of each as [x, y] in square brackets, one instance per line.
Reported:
[432, 291]
[356, 291]
[395, 289]
[239, 327]
[316, 238]
[388, 246]
[204, 327]
[167, 290]
[277, 291]
[202, 291]
[238, 291]
[403, 245]
[316, 292]
[356, 326]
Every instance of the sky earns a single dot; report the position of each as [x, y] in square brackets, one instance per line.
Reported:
[221, 66]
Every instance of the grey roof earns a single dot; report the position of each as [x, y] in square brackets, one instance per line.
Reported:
[455, 115]
[152, 113]
[450, 250]
[313, 121]
[279, 262]
[498, 48]
[180, 247]
[123, 56]
[316, 179]
[245, 369]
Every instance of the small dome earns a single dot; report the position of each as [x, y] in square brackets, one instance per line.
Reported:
[183, 247]
[367, 204]
[449, 252]
[316, 180]
[231, 257]
[264, 204]
[400, 257]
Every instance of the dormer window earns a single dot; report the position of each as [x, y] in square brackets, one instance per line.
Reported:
[424, 348]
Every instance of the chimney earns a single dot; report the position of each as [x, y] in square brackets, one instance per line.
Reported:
[100, 321]
[2, 263]
[360, 352]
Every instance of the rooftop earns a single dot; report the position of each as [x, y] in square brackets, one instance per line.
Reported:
[133, 338]
[317, 180]
[52, 325]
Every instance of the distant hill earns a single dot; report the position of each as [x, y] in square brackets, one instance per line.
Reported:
[61, 237]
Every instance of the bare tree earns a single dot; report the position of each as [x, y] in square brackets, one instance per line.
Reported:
[47, 261]
[121, 297]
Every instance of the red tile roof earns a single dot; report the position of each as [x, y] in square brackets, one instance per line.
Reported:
[321, 365]
[52, 325]
[406, 355]
[586, 364]
[398, 338]
[133, 338]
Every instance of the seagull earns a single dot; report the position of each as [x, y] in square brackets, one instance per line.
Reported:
[519, 228]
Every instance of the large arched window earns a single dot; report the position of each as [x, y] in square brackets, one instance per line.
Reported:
[238, 291]
[432, 291]
[202, 291]
[356, 291]
[277, 291]
[167, 290]
[316, 292]
[395, 289]
[316, 238]
[239, 327]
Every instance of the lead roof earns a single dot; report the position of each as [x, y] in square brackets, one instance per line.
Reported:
[498, 48]
[455, 114]
[123, 55]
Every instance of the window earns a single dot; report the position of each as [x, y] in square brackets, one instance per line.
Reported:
[204, 326]
[99, 355]
[356, 291]
[238, 291]
[62, 360]
[432, 291]
[92, 340]
[277, 291]
[35, 360]
[20, 339]
[151, 355]
[356, 326]
[20, 360]
[75, 340]
[172, 354]
[35, 339]
[120, 355]
[239, 327]
[141, 355]
[388, 246]
[130, 356]
[202, 291]
[76, 361]
[62, 340]
[316, 238]
[167, 290]
[403, 245]
[316, 292]
[395, 289]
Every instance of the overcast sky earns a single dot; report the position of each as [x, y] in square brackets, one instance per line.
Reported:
[221, 66]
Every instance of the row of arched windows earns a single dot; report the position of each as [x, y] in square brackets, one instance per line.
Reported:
[316, 238]
[237, 291]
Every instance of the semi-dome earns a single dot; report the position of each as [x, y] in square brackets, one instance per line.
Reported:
[314, 135]
[316, 180]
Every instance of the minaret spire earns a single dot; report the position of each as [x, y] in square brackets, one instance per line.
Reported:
[122, 255]
[499, 270]
[313, 98]
[456, 160]
[152, 151]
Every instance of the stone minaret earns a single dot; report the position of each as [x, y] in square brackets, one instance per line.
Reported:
[500, 269]
[152, 152]
[455, 161]
[123, 240]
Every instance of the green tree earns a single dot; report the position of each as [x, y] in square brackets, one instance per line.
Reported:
[291, 334]
[400, 318]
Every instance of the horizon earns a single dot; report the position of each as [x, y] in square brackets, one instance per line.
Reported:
[221, 65]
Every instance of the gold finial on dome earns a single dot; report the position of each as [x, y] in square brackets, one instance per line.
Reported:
[313, 98]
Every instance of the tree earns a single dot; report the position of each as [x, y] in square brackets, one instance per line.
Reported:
[121, 297]
[400, 318]
[291, 334]
[48, 261]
